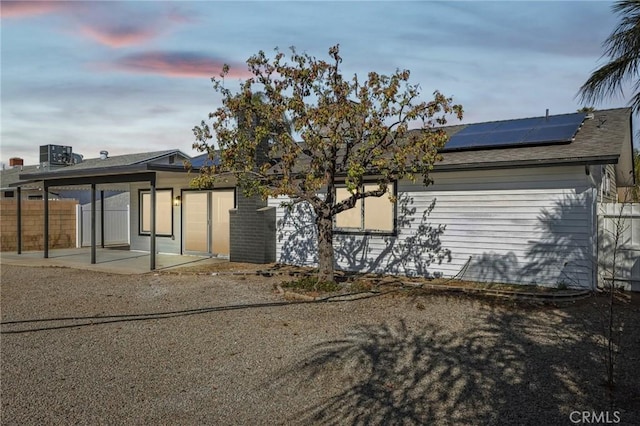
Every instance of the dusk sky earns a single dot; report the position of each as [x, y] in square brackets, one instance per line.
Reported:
[135, 76]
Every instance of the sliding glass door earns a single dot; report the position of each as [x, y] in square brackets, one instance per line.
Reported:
[206, 221]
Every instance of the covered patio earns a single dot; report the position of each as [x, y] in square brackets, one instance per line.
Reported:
[97, 179]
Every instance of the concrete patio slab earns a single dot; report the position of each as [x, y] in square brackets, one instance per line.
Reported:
[112, 260]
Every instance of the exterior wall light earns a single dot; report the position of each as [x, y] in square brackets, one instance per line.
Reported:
[177, 201]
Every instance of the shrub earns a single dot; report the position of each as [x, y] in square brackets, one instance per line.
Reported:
[309, 283]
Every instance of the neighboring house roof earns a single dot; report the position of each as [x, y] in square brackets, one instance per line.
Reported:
[113, 165]
[126, 160]
[12, 175]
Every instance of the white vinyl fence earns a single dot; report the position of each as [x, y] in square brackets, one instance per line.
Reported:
[626, 219]
[116, 225]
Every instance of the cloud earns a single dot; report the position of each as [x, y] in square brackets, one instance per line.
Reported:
[119, 36]
[125, 24]
[178, 17]
[160, 110]
[112, 24]
[26, 9]
[178, 64]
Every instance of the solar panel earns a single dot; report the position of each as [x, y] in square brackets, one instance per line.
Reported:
[552, 134]
[506, 136]
[203, 160]
[480, 128]
[462, 141]
[558, 120]
[516, 133]
[521, 124]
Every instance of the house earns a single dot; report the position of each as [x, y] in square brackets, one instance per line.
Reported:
[10, 175]
[513, 201]
[502, 208]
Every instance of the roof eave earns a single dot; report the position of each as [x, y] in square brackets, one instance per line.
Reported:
[584, 161]
[31, 178]
[176, 168]
[98, 171]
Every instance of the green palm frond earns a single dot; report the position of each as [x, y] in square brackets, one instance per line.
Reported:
[622, 48]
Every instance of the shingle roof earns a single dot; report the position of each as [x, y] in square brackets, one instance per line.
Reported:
[120, 160]
[9, 176]
[93, 167]
[600, 138]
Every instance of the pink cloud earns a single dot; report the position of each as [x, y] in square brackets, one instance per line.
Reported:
[113, 24]
[121, 36]
[178, 64]
[25, 9]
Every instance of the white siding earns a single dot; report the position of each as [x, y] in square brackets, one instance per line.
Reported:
[517, 225]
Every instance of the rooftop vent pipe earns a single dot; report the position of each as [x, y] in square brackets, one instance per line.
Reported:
[76, 158]
[104, 155]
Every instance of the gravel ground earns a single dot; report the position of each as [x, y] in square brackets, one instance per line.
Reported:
[80, 347]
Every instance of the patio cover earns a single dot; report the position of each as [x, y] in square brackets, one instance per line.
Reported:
[115, 177]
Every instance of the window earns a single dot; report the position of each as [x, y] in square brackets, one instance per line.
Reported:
[164, 212]
[8, 194]
[370, 214]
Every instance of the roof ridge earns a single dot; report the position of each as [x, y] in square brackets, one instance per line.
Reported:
[538, 116]
[154, 154]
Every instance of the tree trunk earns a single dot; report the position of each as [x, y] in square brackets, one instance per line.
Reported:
[325, 247]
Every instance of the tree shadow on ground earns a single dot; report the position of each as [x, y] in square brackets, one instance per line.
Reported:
[413, 251]
[509, 367]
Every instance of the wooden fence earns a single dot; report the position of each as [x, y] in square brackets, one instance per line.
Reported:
[62, 224]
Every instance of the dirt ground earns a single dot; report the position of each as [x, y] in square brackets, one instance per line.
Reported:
[79, 347]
